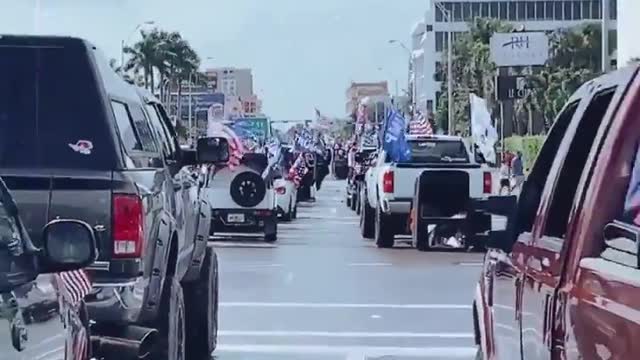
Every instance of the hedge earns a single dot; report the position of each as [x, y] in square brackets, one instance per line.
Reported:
[528, 145]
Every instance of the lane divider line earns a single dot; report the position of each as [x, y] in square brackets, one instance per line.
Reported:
[346, 305]
[346, 334]
[352, 351]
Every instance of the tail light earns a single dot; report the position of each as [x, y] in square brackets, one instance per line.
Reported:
[387, 181]
[128, 234]
[281, 190]
[486, 183]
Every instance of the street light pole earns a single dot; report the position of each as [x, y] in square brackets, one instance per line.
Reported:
[450, 118]
[409, 71]
[606, 62]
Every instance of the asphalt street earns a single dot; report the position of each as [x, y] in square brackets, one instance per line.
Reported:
[323, 292]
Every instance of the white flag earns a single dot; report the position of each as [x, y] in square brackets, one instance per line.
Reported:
[482, 130]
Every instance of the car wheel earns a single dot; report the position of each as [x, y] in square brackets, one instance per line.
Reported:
[288, 215]
[295, 211]
[172, 323]
[383, 232]
[366, 220]
[271, 237]
[202, 309]
[422, 244]
[354, 201]
[348, 201]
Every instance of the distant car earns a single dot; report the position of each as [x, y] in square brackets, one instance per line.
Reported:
[42, 310]
[286, 195]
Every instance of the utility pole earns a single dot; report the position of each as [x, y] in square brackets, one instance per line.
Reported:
[606, 62]
[450, 118]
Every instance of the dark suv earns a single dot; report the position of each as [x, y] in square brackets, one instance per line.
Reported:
[76, 141]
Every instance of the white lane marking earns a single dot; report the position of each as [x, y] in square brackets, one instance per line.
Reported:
[470, 264]
[370, 351]
[369, 264]
[346, 334]
[240, 244]
[376, 316]
[347, 305]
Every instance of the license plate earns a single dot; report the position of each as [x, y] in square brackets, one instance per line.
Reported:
[235, 218]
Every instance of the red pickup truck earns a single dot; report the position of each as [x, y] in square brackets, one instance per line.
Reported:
[563, 280]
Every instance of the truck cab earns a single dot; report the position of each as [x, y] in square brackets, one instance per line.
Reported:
[561, 281]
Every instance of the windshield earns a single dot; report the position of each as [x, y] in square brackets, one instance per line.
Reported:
[438, 151]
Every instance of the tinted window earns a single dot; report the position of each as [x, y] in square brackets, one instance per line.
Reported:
[142, 128]
[574, 164]
[128, 135]
[158, 129]
[168, 128]
[51, 113]
[438, 151]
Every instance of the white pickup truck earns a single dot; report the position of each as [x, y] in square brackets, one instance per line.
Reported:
[389, 186]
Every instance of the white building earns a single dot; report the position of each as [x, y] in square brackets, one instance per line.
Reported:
[533, 14]
[628, 29]
[231, 81]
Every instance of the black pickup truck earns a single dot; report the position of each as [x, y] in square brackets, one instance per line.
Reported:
[76, 141]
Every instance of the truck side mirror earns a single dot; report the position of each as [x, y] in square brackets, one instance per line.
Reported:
[499, 205]
[68, 245]
[212, 150]
[498, 240]
[624, 240]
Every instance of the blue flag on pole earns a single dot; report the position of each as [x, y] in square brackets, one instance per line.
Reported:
[394, 141]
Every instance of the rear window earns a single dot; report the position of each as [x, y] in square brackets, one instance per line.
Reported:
[50, 110]
[438, 151]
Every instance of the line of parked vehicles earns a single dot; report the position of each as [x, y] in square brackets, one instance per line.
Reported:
[105, 219]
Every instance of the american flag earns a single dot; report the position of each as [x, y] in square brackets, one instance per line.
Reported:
[75, 285]
[80, 344]
[420, 125]
[298, 170]
[236, 146]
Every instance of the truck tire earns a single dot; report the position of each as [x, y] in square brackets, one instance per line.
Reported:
[270, 238]
[294, 215]
[358, 202]
[354, 200]
[366, 220]
[201, 297]
[171, 324]
[384, 230]
[422, 243]
[289, 214]
[348, 201]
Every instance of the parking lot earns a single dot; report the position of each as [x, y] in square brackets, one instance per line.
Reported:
[323, 292]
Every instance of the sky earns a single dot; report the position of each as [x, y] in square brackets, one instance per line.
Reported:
[304, 53]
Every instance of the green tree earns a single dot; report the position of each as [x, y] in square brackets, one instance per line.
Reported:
[473, 71]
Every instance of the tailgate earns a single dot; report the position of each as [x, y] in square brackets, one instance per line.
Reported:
[404, 179]
[43, 196]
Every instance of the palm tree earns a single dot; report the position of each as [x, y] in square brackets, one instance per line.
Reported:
[143, 55]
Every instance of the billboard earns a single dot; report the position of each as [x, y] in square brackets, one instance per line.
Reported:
[200, 104]
[519, 48]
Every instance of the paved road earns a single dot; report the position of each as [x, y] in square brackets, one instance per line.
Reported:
[323, 292]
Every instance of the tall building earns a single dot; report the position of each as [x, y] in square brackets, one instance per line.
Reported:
[628, 29]
[534, 15]
[376, 91]
[231, 81]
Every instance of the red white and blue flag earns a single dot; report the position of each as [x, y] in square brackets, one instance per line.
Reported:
[298, 170]
[420, 125]
[236, 146]
[75, 286]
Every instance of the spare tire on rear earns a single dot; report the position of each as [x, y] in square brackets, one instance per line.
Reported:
[248, 189]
